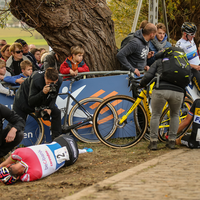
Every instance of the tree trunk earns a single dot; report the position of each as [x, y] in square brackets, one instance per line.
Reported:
[64, 23]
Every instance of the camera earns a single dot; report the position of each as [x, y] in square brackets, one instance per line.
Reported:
[41, 113]
[52, 91]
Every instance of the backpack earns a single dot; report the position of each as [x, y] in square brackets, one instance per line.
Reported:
[127, 39]
[175, 67]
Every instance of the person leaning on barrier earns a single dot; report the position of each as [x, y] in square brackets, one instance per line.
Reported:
[74, 64]
[13, 133]
[191, 140]
[38, 94]
[134, 55]
[38, 161]
[166, 91]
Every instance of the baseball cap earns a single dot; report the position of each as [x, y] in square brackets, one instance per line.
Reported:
[21, 41]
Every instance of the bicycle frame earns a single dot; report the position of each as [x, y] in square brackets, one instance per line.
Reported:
[66, 128]
[142, 97]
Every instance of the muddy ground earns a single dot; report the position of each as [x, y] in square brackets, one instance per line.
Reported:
[90, 168]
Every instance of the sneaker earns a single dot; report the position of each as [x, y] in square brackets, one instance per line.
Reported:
[171, 144]
[153, 145]
[88, 149]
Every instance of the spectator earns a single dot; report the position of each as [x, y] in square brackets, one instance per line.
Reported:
[38, 93]
[26, 68]
[52, 60]
[13, 63]
[13, 133]
[188, 45]
[74, 64]
[158, 43]
[31, 46]
[4, 73]
[28, 54]
[166, 91]
[2, 43]
[36, 52]
[5, 53]
[134, 55]
[28, 164]
[42, 50]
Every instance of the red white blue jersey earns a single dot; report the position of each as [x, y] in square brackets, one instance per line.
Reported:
[40, 160]
[190, 49]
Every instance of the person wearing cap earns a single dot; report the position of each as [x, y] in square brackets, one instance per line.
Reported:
[28, 54]
[188, 45]
[38, 161]
[13, 62]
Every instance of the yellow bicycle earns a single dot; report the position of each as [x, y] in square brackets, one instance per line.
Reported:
[133, 118]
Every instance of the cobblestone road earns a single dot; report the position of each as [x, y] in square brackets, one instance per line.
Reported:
[173, 176]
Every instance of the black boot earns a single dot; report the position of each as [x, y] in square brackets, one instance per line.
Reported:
[153, 145]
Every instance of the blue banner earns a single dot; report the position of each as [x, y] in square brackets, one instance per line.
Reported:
[102, 87]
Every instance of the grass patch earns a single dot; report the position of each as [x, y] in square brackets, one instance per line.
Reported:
[33, 37]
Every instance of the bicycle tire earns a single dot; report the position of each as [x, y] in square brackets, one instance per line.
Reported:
[165, 120]
[33, 132]
[127, 134]
[86, 133]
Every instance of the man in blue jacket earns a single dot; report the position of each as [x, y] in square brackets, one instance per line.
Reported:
[158, 43]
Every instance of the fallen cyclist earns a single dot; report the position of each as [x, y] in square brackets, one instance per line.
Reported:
[191, 140]
[35, 162]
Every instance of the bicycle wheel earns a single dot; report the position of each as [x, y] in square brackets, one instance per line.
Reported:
[128, 133]
[85, 133]
[34, 131]
[165, 120]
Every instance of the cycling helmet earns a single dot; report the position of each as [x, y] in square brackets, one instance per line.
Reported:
[6, 177]
[188, 27]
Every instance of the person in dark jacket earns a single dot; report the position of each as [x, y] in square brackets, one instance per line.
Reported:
[13, 133]
[134, 55]
[13, 62]
[38, 94]
[166, 92]
[52, 60]
[28, 54]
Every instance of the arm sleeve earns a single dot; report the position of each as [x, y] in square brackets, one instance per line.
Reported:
[129, 49]
[12, 79]
[5, 90]
[12, 117]
[149, 75]
[64, 68]
[84, 68]
[36, 95]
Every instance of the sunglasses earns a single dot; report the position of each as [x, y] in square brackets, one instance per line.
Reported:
[18, 52]
[192, 34]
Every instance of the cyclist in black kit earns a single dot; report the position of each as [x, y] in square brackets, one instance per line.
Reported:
[191, 140]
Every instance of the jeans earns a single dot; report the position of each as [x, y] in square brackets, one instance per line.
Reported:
[159, 98]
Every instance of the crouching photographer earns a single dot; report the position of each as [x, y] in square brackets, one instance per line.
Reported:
[38, 94]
